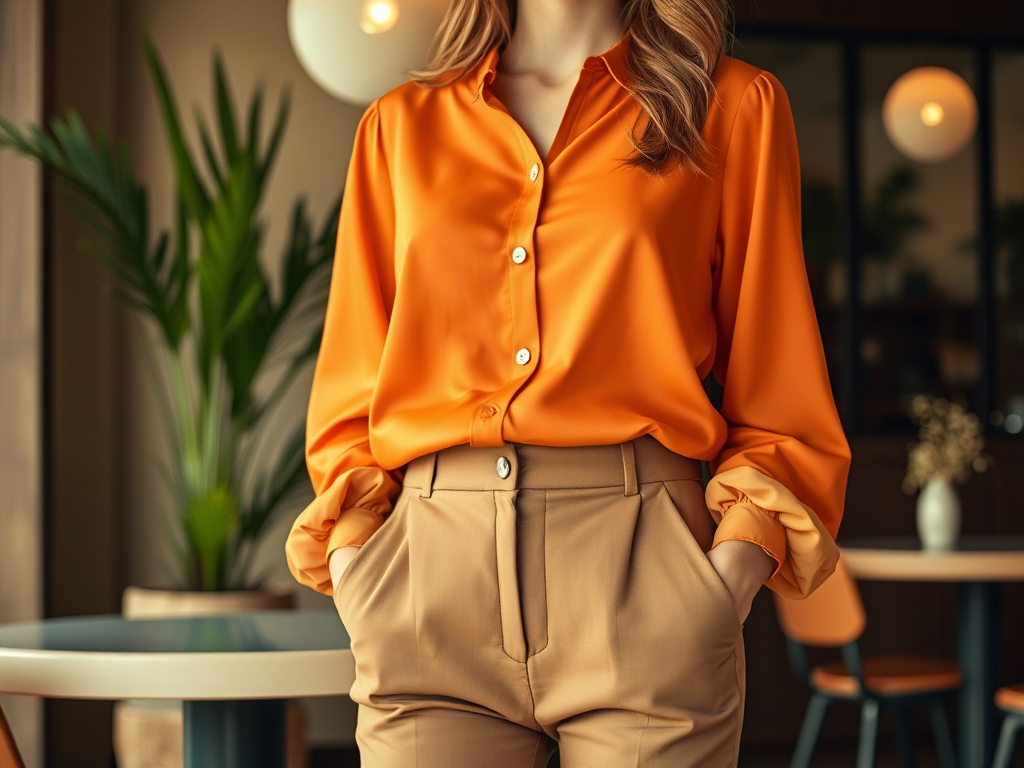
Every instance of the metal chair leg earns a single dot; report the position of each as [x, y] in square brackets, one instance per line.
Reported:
[809, 731]
[943, 739]
[904, 737]
[1007, 741]
[868, 733]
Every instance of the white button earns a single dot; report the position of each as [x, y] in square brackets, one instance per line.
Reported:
[534, 172]
[523, 356]
[504, 467]
[519, 255]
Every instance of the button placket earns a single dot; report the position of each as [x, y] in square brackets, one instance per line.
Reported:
[489, 416]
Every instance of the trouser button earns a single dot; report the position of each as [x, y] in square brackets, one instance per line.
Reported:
[504, 467]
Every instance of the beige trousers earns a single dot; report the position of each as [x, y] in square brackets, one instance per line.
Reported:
[523, 595]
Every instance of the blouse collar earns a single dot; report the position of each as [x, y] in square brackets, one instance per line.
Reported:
[614, 60]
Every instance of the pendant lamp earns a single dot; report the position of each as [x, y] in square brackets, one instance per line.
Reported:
[357, 50]
[930, 114]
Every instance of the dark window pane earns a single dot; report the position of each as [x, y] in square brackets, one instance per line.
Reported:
[809, 70]
[919, 269]
[1008, 140]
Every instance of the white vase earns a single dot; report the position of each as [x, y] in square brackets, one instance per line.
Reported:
[938, 515]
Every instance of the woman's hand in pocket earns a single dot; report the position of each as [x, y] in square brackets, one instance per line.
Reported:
[744, 567]
[338, 562]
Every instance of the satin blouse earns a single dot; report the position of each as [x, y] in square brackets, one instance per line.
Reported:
[484, 294]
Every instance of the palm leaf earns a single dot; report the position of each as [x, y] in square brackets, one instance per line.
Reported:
[193, 193]
[225, 115]
[207, 411]
[99, 187]
[210, 521]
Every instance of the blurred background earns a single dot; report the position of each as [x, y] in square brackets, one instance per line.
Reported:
[917, 271]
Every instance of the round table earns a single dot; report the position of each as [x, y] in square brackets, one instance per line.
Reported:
[233, 672]
[978, 566]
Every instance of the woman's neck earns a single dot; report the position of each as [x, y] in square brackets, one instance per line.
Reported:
[552, 38]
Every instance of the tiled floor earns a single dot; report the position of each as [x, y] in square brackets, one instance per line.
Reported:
[828, 755]
[836, 755]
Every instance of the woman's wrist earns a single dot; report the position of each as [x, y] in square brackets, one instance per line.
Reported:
[338, 560]
[744, 567]
[756, 564]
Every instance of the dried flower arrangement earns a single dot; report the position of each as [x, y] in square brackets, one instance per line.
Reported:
[950, 443]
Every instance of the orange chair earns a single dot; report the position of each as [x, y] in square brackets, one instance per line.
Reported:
[1011, 700]
[833, 617]
[10, 757]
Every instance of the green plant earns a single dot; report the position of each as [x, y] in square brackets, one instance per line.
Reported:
[1010, 229]
[1010, 235]
[821, 222]
[890, 219]
[223, 328]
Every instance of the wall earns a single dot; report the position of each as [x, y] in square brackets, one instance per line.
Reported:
[21, 337]
[997, 18]
[83, 569]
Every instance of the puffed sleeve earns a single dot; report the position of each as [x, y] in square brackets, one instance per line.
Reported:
[779, 480]
[353, 493]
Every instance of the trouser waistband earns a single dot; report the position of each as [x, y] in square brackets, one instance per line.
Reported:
[521, 465]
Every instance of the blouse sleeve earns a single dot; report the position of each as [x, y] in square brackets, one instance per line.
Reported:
[779, 480]
[353, 493]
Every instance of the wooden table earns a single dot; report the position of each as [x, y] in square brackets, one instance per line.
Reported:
[233, 672]
[978, 567]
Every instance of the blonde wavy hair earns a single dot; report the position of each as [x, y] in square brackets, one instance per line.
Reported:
[674, 48]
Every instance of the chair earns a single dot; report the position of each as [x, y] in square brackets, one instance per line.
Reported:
[833, 617]
[10, 757]
[1011, 700]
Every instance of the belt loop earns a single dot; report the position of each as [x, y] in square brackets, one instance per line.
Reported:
[629, 467]
[428, 477]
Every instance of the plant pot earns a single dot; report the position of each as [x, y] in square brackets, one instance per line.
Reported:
[150, 734]
[145, 603]
[938, 515]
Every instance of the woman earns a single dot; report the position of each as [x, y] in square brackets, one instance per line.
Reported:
[548, 240]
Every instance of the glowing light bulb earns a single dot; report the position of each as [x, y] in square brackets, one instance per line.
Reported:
[378, 16]
[932, 113]
[340, 46]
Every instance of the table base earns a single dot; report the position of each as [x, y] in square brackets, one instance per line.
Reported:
[979, 650]
[235, 734]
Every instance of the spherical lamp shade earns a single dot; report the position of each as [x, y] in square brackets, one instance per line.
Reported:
[357, 50]
[930, 113]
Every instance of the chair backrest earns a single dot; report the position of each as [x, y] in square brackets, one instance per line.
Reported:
[10, 757]
[831, 616]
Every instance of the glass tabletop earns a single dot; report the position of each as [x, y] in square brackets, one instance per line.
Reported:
[259, 631]
[964, 544]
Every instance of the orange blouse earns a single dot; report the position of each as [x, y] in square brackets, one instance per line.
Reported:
[483, 294]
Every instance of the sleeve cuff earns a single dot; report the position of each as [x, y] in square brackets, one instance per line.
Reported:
[750, 505]
[325, 525]
[745, 521]
[355, 526]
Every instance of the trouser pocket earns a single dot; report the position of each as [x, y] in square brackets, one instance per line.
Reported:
[705, 678]
[360, 588]
[686, 499]
[424, 613]
[638, 620]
